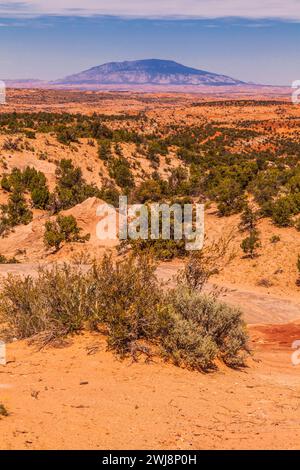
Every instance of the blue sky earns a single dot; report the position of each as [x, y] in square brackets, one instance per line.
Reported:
[50, 39]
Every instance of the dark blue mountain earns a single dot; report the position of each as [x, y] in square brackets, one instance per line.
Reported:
[147, 72]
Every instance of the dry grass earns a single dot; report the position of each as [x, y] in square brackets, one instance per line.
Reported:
[125, 302]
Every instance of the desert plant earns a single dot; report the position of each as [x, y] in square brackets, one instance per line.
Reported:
[71, 188]
[251, 244]
[128, 300]
[119, 170]
[3, 410]
[275, 239]
[249, 218]
[15, 212]
[5, 260]
[229, 196]
[202, 265]
[124, 301]
[104, 150]
[40, 197]
[30, 179]
[63, 229]
[12, 144]
[66, 136]
[5, 183]
[204, 329]
[49, 306]
[282, 212]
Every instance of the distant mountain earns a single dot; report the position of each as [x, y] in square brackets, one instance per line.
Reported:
[146, 72]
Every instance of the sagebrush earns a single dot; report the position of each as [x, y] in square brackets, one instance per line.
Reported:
[125, 302]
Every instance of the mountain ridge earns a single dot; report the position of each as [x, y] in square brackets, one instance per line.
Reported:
[147, 72]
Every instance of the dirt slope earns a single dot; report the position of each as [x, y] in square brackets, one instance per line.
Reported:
[30, 238]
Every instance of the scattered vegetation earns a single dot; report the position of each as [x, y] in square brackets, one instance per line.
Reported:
[125, 302]
[213, 169]
[30, 180]
[5, 260]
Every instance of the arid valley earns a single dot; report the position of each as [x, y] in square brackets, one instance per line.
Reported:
[237, 151]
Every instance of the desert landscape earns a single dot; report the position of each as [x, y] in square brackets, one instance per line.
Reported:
[64, 152]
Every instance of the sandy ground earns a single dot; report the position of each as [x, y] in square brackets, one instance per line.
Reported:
[83, 397]
[72, 399]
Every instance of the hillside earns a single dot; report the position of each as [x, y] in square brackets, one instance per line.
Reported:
[82, 148]
[138, 126]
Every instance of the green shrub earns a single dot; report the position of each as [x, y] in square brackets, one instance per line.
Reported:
[63, 230]
[128, 301]
[147, 191]
[119, 170]
[5, 183]
[110, 195]
[52, 305]
[5, 260]
[40, 197]
[30, 179]
[282, 212]
[178, 181]
[30, 134]
[275, 239]
[249, 218]
[124, 301]
[163, 250]
[71, 188]
[203, 329]
[66, 136]
[15, 212]
[14, 180]
[248, 223]
[160, 248]
[104, 150]
[118, 150]
[229, 196]
[251, 244]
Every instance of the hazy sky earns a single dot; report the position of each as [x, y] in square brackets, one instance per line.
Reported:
[254, 41]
